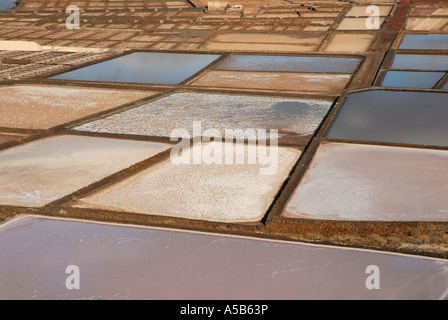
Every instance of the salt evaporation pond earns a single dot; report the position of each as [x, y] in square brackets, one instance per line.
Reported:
[425, 42]
[373, 183]
[290, 64]
[428, 62]
[43, 107]
[410, 79]
[236, 191]
[43, 171]
[393, 116]
[118, 262]
[291, 116]
[143, 67]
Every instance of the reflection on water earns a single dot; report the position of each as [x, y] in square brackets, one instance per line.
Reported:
[425, 41]
[291, 64]
[420, 62]
[143, 67]
[7, 4]
[409, 79]
[400, 117]
[132, 263]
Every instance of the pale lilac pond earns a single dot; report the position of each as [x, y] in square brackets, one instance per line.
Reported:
[122, 262]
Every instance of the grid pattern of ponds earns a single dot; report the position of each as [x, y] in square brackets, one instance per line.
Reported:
[424, 67]
[402, 116]
[357, 173]
[379, 183]
[180, 25]
[19, 64]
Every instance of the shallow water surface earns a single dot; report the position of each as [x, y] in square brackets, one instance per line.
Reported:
[143, 67]
[118, 262]
[411, 79]
[7, 4]
[421, 62]
[425, 41]
[393, 116]
[291, 64]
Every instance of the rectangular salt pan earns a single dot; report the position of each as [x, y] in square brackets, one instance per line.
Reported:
[373, 183]
[274, 80]
[357, 24]
[364, 11]
[298, 118]
[143, 67]
[43, 171]
[44, 107]
[425, 42]
[351, 43]
[227, 191]
[398, 117]
[121, 262]
[420, 62]
[290, 64]
[410, 79]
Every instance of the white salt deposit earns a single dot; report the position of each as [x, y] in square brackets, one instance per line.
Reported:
[216, 192]
[43, 171]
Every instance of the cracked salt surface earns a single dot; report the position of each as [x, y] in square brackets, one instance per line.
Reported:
[214, 192]
[123, 262]
[221, 112]
[42, 171]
